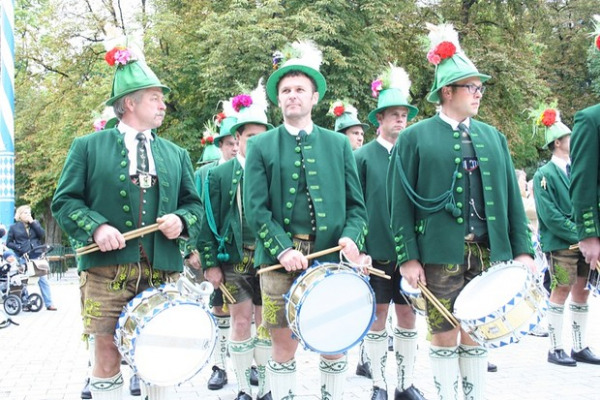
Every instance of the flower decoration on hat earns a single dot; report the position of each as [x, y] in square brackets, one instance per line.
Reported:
[596, 32]
[209, 133]
[100, 120]
[241, 101]
[228, 111]
[119, 56]
[341, 107]
[443, 41]
[392, 78]
[547, 118]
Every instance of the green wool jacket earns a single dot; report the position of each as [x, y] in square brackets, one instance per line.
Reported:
[95, 188]
[223, 185]
[272, 170]
[372, 161]
[427, 156]
[585, 172]
[553, 206]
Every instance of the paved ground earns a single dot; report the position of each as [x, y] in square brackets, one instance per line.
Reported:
[44, 359]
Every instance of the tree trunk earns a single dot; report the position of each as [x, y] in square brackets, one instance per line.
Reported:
[53, 231]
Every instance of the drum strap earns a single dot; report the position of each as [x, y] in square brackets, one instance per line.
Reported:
[222, 255]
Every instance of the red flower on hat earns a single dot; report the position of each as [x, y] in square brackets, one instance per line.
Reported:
[598, 42]
[219, 118]
[202, 141]
[210, 140]
[548, 117]
[118, 55]
[339, 110]
[441, 52]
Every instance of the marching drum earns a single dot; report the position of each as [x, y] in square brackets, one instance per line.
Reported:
[501, 305]
[165, 336]
[414, 297]
[330, 308]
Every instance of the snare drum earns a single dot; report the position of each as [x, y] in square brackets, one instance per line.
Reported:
[414, 297]
[593, 282]
[501, 305]
[167, 338]
[330, 308]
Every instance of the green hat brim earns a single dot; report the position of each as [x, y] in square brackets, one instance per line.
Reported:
[278, 74]
[235, 127]
[556, 131]
[112, 100]
[346, 126]
[225, 129]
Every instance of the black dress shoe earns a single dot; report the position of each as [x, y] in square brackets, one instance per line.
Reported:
[134, 385]
[492, 367]
[585, 356]
[243, 396]
[379, 394]
[218, 379]
[412, 393]
[254, 376]
[559, 357]
[267, 396]
[85, 392]
[364, 370]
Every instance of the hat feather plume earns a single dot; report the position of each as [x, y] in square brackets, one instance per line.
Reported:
[310, 55]
[442, 33]
[259, 96]
[228, 109]
[399, 79]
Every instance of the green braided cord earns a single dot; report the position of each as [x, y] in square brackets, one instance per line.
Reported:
[437, 202]
[210, 217]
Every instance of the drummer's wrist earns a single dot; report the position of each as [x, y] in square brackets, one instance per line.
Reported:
[283, 253]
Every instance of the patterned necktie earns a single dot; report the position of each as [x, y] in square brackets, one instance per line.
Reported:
[463, 128]
[568, 170]
[142, 155]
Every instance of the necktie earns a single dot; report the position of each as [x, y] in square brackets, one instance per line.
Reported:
[463, 128]
[302, 134]
[142, 156]
[568, 170]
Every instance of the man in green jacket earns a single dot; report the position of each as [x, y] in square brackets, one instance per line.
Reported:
[301, 192]
[372, 160]
[347, 122]
[226, 246]
[558, 232]
[114, 181]
[455, 206]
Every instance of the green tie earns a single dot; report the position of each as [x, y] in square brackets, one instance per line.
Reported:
[142, 155]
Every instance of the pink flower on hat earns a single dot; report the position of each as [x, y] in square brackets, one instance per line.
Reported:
[376, 87]
[119, 56]
[99, 124]
[241, 101]
[441, 52]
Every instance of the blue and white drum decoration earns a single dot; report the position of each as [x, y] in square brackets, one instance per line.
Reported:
[330, 308]
[166, 337]
[414, 297]
[501, 305]
[593, 282]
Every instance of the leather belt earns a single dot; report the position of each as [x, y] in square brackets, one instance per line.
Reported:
[250, 247]
[306, 238]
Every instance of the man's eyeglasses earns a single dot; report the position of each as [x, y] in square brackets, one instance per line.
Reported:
[472, 88]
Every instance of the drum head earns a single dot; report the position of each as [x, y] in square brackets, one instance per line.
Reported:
[336, 312]
[175, 344]
[409, 290]
[491, 290]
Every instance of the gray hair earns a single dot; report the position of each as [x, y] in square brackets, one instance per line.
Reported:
[119, 104]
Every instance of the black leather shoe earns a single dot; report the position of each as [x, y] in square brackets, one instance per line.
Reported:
[85, 392]
[254, 376]
[492, 367]
[364, 370]
[243, 396]
[134, 385]
[267, 396]
[379, 394]
[218, 379]
[412, 393]
[559, 357]
[585, 356]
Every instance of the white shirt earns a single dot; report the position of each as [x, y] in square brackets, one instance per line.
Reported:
[129, 136]
[561, 163]
[388, 146]
[241, 159]
[453, 123]
[296, 131]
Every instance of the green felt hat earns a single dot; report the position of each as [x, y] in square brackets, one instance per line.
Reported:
[347, 120]
[556, 131]
[210, 153]
[225, 128]
[251, 109]
[451, 70]
[301, 56]
[133, 76]
[391, 98]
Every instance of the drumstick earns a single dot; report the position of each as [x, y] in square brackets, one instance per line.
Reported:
[439, 306]
[227, 293]
[378, 272]
[576, 247]
[308, 257]
[127, 235]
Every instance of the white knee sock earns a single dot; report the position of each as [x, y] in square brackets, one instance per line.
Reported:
[241, 357]
[107, 388]
[405, 348]
[220, 353]
[579, 316]
[444, 365]
[472, 361]
[262, 353]
[376, 347]
[152, 392]
[555, 325]
[282, 378]
[333, 373]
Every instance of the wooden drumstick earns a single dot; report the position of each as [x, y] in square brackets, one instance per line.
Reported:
[378, 272]
[576, 247]
[127, 235]
[308, 257]
[438, 305]
[227, 293]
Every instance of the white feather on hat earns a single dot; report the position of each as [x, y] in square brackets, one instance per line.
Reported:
[259, 96]
[114, 38]
[442, 33]
[399, 79]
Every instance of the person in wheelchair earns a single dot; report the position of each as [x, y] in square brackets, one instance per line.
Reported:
[26, 236]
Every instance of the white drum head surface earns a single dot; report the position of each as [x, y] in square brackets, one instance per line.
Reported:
[335, 313]
[174, 345]
[406, 288]
[490, 291]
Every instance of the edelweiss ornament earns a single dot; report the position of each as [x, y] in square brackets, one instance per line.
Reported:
[392, 89]
[451, 63]
[251, 109]
[303, 56]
